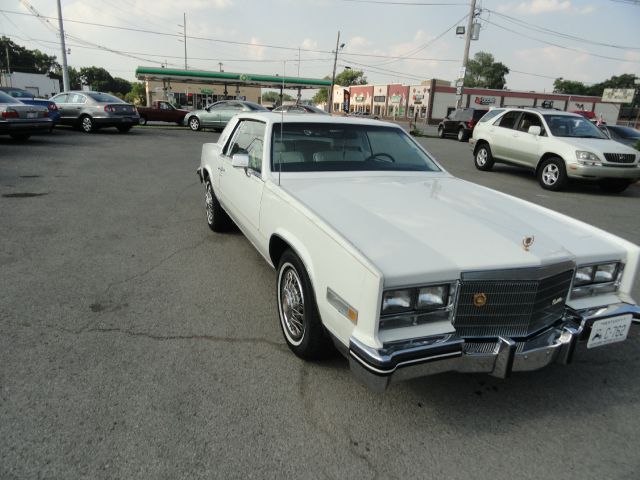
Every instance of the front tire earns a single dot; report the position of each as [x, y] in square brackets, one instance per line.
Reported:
[217, 218]
[194, 124]
[440, 132]
[552, 174]
[297, 310]
[463, 136]
[614, 185]
[483, 159]
[86, 124]
[142, 120]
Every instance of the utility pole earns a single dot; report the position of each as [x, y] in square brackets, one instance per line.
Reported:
[65, 69]
[220, 65]
[333, 77]
[184, 38]
[465, 58]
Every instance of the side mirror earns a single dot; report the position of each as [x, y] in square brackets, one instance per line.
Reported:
[535, 130]
[240, 160]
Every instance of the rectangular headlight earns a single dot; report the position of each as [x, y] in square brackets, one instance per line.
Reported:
[397, 301]
[584, 276]
[432, 297]
[605, 273]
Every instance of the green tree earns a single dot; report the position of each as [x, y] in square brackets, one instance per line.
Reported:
[570, 87]
[345, 78]
[274, 97]
[22, 59]
[138, 94]
[484, 72]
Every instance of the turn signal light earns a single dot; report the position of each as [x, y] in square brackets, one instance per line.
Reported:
[109, 108]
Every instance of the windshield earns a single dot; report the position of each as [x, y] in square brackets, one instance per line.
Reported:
[15, 93]
[319, 147]
[572, 126]
[626, 132]
[104, 97]
[4, 98]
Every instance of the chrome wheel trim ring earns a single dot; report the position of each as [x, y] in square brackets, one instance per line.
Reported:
[142, 121]
[460, 134]
[208, 202]
[550, 174]
[291, 304]
[86, 124]
[481, 157]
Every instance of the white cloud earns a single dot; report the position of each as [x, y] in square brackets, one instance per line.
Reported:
[537, 7]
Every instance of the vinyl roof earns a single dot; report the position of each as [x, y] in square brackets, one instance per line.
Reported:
[229, 78]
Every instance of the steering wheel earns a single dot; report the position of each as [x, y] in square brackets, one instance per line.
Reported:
[380, 157]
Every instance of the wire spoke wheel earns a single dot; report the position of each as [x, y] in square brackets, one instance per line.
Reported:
[291, 303]
[208, 203]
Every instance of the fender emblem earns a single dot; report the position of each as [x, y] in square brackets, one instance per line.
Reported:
[527, 242]
[479, 299]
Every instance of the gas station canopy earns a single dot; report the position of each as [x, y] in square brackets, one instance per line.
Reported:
[228, 78]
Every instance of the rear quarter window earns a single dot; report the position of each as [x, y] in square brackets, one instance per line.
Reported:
[491, 114]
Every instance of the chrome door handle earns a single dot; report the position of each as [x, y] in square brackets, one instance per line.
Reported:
[221, 169]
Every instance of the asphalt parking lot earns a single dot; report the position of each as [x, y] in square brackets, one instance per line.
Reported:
[135, 343]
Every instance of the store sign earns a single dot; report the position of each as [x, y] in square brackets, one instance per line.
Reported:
[618, 95]
[418, 98]
[547, 104]
[359, 98]
[485, 100]
[396, 98]
[206, 91]
[379, 98]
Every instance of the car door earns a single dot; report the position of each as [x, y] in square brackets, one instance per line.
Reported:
[61, 102]
[225, 114]
[525, 147]
[450, 122]
[502, 135]
[241, 188]
[75, 104]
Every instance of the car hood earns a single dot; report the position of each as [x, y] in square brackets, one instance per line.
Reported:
[426, 227]
[597, 144]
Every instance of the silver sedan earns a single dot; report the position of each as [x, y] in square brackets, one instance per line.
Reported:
[92, 110]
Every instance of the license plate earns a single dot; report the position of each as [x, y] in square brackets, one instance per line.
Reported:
[32, 115]
[609, 330]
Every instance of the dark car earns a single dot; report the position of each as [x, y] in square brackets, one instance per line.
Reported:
[627, 135]
[92, 110]
[460, 123]
[25, 96]
[218, 114]
[299, 109]
[20, 120]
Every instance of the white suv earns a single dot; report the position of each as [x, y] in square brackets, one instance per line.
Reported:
[556, 145]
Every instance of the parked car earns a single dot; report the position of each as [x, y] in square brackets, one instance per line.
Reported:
[27, 97]
[299, 109]
[20, 121]
[161, 111]
[460, 123]
[90, 111]
[556, 145]
[218, 114]
[406, 269]
[364, 114]
[626, 135]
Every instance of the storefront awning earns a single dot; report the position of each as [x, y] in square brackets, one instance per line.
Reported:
[229, 78]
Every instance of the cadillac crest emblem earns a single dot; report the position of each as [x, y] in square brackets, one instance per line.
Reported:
[479, 299]
[527, 242]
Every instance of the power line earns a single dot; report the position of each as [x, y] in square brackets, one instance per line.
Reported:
[558, 45]
[232, 42]
[548, 31]
[410, 4]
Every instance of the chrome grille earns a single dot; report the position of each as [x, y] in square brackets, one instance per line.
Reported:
[620, 157]
[514, 308]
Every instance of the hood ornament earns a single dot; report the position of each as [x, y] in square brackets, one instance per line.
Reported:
[527, 242]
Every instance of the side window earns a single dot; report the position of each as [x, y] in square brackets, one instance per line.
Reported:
[529, 120]
[248, 138]
[164, 106]
[62, 98]
[508, 120]
[491, 114]
[76, 98]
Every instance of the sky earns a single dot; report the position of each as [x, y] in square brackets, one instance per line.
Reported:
[391, 41]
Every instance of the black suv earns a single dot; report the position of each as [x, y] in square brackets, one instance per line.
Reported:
[460, 123]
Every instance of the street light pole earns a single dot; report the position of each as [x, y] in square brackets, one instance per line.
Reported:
[467, 45]
[65, 70]
[184, 18]
[333, 77]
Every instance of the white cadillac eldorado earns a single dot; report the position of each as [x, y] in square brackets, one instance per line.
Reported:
[406, 269]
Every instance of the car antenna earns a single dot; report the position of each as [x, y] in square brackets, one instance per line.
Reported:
[284, 68]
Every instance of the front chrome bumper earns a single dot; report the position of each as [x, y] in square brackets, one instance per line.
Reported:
[377, 368]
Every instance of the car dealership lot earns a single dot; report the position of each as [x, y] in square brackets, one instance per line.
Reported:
[135, 343]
